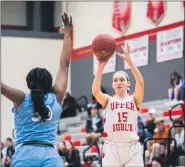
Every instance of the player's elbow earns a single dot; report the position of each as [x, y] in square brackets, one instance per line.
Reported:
[140, 87]
[95, 91]
[140, 82]
[139, 96]
[60, 88]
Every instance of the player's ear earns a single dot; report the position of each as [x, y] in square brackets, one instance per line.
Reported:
[128, 83]
[112, 84]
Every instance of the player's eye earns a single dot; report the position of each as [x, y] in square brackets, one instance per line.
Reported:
[122, 79]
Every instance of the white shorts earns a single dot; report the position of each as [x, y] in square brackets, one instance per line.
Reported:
[122, 156]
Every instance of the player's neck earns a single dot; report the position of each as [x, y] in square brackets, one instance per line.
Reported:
[121, 94]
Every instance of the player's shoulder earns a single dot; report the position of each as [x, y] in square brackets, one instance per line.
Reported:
[25, 103]
[50, 96]
[51, 100]
[27, 98]
[112, 98]
[109, 100]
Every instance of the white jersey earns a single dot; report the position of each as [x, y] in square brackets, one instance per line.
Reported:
[120, 120]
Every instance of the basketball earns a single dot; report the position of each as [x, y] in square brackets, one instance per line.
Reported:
[103, 46]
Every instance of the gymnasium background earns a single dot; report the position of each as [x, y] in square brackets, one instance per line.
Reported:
[30, 39]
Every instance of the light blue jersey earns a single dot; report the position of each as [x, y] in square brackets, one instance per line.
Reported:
[30, 128]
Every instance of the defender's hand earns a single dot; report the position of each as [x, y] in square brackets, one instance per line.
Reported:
[67, 27]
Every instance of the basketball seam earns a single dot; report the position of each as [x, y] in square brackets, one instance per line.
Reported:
[101, 40]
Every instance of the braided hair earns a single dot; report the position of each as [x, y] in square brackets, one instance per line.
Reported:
[39, 81]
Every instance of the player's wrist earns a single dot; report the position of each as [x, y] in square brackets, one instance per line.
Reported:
[100, 68]
[129, 62]
[67, 34]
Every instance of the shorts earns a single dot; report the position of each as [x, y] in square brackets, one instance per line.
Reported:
[122, 156]
[36, 156]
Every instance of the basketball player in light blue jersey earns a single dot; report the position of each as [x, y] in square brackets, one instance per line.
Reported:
[37, 114]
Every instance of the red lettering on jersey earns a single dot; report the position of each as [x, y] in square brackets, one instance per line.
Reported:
[122, 105]
[131, 127]
[127, 127]
[117, 104]
[114, 128]
[132, 106]
[122, 127]
[128, 105]
[112, 106]
[118, 127]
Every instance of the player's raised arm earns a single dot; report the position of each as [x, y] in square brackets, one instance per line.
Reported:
[15, 95]
[60, 85]
[139, 88]
[103, 47]
[96, 86]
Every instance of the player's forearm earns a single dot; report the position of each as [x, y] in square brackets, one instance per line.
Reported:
[96, 87]
[136, 73]
[66, 51]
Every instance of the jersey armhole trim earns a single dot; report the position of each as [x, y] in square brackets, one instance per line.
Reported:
[15, 109]
[106, 103]
[138, 107]
[60, 105]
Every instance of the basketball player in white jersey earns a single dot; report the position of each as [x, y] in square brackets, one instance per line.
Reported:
[121, 146]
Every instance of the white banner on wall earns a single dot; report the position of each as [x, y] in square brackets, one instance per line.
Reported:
[170, 44]
[139, 51]
[110, 67]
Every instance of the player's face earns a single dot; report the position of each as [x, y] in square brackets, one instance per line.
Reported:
[8, 143]
[68, 146]
[61, 146]
[94, 111]
[155, 164]
[152, 116]
[160, 125]
[177, 129]
[120, 83]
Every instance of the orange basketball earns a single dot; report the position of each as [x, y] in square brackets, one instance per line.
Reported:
[103, 46]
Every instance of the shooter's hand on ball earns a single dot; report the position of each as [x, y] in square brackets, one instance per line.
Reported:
[102, 64]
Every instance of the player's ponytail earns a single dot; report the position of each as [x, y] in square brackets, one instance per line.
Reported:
[38, 104]
[39, 81]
